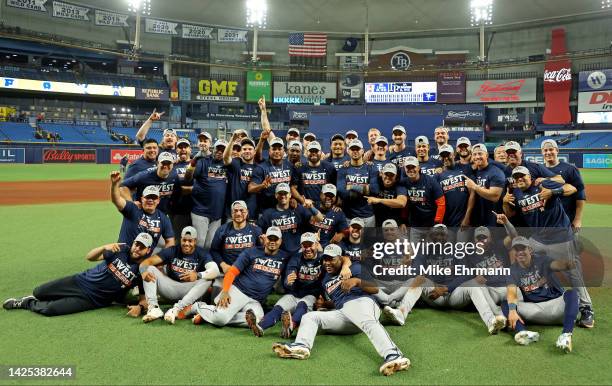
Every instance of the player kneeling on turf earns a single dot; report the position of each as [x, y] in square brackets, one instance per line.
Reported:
[544, 299]
[355, 311]
[246, 284]
[190, 273]
[97, 287]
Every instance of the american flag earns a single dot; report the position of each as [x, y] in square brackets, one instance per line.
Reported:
[301, 44]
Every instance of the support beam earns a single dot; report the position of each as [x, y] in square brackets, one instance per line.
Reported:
[254, 57]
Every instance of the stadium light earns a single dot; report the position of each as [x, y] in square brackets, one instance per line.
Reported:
[606, 4]
[256, 13]
[481, 12]
[140, 6]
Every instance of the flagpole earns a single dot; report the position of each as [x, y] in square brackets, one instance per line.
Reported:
[366, 46]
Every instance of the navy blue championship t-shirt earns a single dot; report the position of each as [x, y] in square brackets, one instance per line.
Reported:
[259, 272]
[177, 263]
[136, 221]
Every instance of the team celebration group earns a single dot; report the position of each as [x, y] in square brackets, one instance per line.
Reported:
[280, 215]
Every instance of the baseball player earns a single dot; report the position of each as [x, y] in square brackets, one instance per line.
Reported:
[291, 221]
[189, 273]
[355, 311]
[441, 139]
[294, 154]
[464, 151]
[379, 153]
[338, 155]
[208, 193]
[373, 134]
[391, 198]
[246, 285]
[544, 299]
[399, 151]
[515, 158]
[540, 207]
[96, 287]
[168, 143]
[164, 177]
[146, 218]
[429, 166]
[123, 163]
[240, 173]
[293, 134]
[487, 183]
[181, 204]
[499, 155]
[235, 149]
[350, 136]
[353, 247]
[311, 177]
[355, 182]
[426, 202]
[204, 142]
[150, 151]
[308, 138]
[574, 204]
[333, 226]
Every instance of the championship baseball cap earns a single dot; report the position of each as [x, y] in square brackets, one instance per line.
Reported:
[183, 141]
[169, 131]
[398, 128]
[220, 142]
[481, 231]
[382, 139]
[331, 251]
[294, 143]
[329, 188]
[464, 141]
[314, 145]
[357, 221]
[150, 190]
[308, 237]
[310, 135]
[247, 141]
[337, 136]
[237, 145]
[411, 161]
[355, 143]
[390, 223]
[512, 146]
[239, 203]
[293, 130]
[165, 157]
[277, 141]
[351, 132]
[389, 168]
[479, 147]
[550, 142]
[520, 240]
[421, 140]
[521, 170]
[240, 131]
[189, 233]
[440, 228]
[274, 231]
[145, 239]
[445, 149]
[282, 187]
[205, 134]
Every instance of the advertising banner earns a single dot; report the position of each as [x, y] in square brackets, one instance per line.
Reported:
[498, 91]
[304, 92]
[464, 115]
[597, 161]
[258, 83]
[219, 90]
[451, 87]
[69, 155]
[152, 94]
[12, 155]
[111, 19]
[557, 83]
[350, 88]
[595, 101]
[118, 154]
[64, 87]
[70, 11]
[595, 80]
[401, 92]
[32, 5]
[184, 89]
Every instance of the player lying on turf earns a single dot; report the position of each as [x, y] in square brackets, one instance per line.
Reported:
[189, 272]
[544, 299]
[97, 287]
[355, 311]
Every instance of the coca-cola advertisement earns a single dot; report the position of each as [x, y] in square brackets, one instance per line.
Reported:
[70, 156]
[118, 154]
[557, 82]
[451, 87]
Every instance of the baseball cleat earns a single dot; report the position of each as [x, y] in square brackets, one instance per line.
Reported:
[18, 303]
[526, 337]
[564, 342]
[171, 315]
[197, 320]
[291, 350]
[587, 317]
[185, 312]
[251, 320]
[286, 325]
[497, 324]
[153, 313]
[394, 363]
[394, 315]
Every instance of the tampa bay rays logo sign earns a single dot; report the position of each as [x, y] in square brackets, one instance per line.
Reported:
[400, 61]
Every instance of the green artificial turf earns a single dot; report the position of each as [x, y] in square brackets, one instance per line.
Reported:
[45, 242]
[597, 176]
[51, 172]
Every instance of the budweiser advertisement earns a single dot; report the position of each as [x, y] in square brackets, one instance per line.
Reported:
[595, 101]
[69, 156]
[118, 154]
[557, 82]
[500, 91]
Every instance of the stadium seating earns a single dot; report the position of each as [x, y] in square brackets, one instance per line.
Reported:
[599, 140]
[18, 132]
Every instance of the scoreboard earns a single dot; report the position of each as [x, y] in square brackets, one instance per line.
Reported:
[401, 92]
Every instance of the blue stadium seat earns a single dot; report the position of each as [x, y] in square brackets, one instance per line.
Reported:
[18, 132]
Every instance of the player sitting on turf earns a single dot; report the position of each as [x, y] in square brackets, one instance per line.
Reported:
[246, 285]
[544, 299]
[355, 311]
[190, 272]
[97, 287]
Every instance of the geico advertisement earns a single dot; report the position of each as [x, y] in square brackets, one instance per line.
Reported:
[64, 87]
[219, 90]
